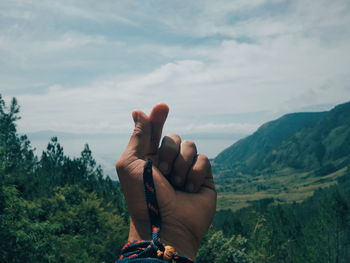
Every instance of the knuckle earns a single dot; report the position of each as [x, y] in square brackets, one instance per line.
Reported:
[175, 137]
[120, 165]
[189, 144]
[205, 160]
[198, 172]
[170, 145]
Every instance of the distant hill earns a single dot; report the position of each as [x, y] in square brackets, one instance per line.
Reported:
[287, 158]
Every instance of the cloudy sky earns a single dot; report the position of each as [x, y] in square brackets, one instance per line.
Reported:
[223, 67]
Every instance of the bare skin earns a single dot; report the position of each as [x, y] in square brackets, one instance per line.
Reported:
[183, 180]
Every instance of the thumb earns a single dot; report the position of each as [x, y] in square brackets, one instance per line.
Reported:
[139, 143]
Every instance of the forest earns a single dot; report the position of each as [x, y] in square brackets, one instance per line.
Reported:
[55, 208]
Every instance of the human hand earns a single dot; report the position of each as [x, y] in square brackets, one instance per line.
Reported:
[183, 181]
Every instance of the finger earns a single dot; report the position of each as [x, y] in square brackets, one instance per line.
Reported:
[168, 152]
[183, 163]
[140, 139]
[209, 180]
[157, 117]
[207, 190]
[197, 174]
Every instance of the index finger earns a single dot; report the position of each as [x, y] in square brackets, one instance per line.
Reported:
[157, 117]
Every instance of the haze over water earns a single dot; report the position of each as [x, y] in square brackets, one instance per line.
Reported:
[106, 149]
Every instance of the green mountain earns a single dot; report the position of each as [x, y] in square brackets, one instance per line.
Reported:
[285, 159]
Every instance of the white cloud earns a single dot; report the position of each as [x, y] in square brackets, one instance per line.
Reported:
[256, 19]
[110, 58]
[71, 40]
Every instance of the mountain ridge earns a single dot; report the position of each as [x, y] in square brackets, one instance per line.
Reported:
[296, 152]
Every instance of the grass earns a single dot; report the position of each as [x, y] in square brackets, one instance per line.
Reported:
[283, 186]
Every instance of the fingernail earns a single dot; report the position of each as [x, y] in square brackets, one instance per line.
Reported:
[190, 188]
[163, 167]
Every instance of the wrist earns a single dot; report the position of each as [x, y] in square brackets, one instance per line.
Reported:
[183, 242]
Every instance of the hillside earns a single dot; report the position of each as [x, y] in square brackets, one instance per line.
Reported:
[285, 159]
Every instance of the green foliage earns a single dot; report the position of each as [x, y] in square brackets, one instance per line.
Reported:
[71, 226]
[219, 249]
[55, 209]
[16, 154]
[315, 230]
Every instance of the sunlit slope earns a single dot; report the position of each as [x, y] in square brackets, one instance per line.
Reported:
[285, 159]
